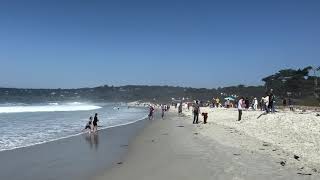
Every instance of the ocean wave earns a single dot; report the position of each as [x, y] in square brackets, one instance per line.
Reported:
[53, 107]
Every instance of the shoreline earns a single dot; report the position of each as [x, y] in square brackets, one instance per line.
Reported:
[174, 148]
[78, 157]
[74, 135]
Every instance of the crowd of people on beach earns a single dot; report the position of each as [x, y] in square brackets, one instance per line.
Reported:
[265, 104]
[163, 107]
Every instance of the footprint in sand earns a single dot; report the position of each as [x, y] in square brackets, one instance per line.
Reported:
[296, 157]
[266, 144]
[283, 163]
[305, 174]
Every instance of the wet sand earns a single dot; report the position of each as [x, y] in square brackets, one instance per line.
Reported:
[76, 158]
[175, 149]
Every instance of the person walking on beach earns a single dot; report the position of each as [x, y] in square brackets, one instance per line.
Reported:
[218, 102]
[95, 123]
[240, 107]
[180, 108]
[163, 109]
[213, 102]
[196, 111]
[291, 104]
[247, 103]
[271, 101]
[261, 103]
[266, 103]
[284, 103]
[255, 104]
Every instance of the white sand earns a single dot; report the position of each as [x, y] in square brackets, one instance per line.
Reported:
[173, 149]
[293, 132]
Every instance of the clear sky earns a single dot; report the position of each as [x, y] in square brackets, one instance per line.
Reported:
[198, 43]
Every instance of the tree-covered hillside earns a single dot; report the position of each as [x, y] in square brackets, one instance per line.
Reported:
[296, 84]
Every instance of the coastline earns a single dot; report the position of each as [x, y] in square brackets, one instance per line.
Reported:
[78, 157]
[74, 135]
[174, 148]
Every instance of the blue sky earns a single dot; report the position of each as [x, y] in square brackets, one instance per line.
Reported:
[80, 43]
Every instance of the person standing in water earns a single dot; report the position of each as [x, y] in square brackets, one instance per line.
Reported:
[196, 111]
[95, 123]
[151, 110]
[89, 125]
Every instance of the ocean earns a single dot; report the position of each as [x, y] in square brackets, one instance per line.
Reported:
[23, 125]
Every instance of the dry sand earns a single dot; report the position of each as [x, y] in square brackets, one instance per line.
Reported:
[287, 134]
[176, 149]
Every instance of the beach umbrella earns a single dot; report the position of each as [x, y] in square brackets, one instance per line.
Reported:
[229, 98]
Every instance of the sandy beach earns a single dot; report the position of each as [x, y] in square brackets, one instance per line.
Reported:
[288, 134]
[174, 148]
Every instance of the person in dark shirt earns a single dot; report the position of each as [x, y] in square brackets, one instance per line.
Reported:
[291, 104]
[205, 117]
[284, 103]
[180, 108]
[247, 103]
[95, 123]
[89, 125]
[151, 111]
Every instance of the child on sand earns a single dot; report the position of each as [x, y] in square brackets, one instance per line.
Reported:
[205, 117]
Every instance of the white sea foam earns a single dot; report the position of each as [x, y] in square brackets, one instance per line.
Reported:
[49, 108]
[19, 130]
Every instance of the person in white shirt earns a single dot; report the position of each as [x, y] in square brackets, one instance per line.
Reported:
[255, 103]
[266, 103]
